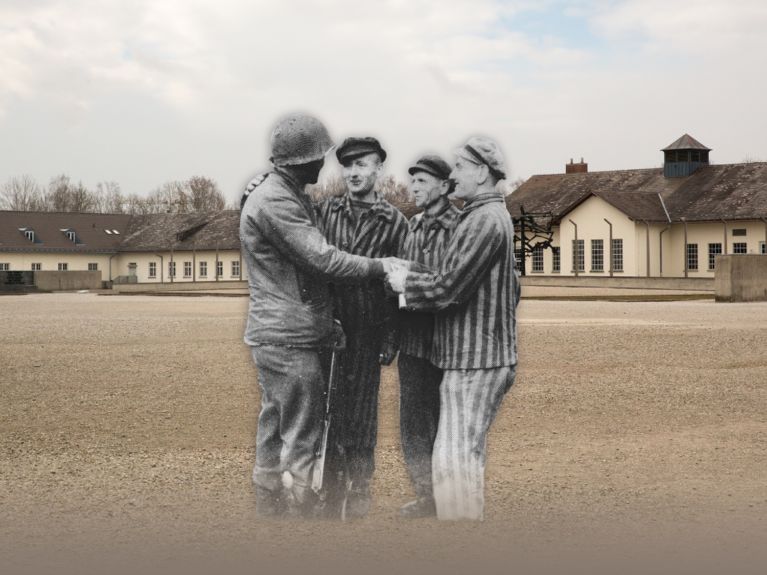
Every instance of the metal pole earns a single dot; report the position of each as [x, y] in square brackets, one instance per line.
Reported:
[611, 245]
[684, 221]
[575, 247]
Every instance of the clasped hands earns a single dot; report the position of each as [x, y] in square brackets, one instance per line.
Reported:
[396, 271]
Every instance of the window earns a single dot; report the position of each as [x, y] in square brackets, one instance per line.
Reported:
[692, 256]
[762, 248]
[172, 269]
[187, 269]
[93, 267]
[5, 267]
[616, 254]
[37, 267]
[597, 255]
[235, 269]
[63, 266]
[30, 235]
[579, 258]
[555, 260]
[538, 258]
[152, 270]
[713, 251]
[518, 259]
[203, 269]
[219, 269]
[739, 232]
[740, 248]
[72, 236]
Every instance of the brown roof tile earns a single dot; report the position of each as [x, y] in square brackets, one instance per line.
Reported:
[90, 231]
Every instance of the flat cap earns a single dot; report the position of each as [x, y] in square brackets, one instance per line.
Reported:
[433, 165]
[481, 150]
[354, 147]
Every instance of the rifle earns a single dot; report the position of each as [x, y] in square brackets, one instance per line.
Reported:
[318, 473]
[342, 484]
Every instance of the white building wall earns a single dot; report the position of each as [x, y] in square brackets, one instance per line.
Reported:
[22, 261]
[590, 220]
[230, 261]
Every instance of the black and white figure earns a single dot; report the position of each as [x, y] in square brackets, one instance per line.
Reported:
[419, 378]
[290, 320]
[473, 295]
[363, 223]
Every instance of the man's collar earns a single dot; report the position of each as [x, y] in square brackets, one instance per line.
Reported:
[481, 200]
[292, 182]
[444, 218]
[380, 208]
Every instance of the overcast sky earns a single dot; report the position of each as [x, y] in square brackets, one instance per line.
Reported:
[146, 91]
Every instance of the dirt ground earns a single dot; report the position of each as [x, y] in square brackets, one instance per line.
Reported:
[635, 435]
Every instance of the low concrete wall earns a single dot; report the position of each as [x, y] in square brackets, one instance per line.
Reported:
[179, 286]
[684, 284]
[66, 281]
[741, 277]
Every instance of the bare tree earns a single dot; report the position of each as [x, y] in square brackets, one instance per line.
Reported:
[393, 190]
[22, 193]
[108, 198]
[333, 186]
[204, 195]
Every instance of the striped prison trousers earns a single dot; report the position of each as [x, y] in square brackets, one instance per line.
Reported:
[469, 401]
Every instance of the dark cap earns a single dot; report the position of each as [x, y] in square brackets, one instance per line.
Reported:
[481, 150]
[433, 165]
[355, 147]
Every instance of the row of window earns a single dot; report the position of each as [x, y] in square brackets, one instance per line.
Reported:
[203, 269]
[62, 267]
[579, 256]
[714, 250]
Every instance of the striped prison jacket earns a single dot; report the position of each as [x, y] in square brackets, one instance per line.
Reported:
[380, 232]
[425, 245]
[473, 290]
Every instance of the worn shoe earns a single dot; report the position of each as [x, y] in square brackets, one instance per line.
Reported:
[357, 504]
[269, 503]
[418, 508]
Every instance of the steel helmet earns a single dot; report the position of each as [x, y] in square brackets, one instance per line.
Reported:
[299, 139]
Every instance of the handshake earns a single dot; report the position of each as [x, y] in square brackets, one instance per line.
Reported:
[396, 271]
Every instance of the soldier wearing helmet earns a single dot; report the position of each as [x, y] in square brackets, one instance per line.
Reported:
[290, 321]
[363, 223]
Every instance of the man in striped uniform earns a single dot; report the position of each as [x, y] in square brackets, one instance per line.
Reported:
[363, 223]
[419, 378]
[474, 294]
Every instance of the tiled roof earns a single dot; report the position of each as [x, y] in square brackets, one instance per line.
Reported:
[728, 191]
[162, 232]
[94, 233]
[561, 193]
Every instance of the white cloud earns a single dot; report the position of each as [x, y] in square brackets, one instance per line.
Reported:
[144, 92]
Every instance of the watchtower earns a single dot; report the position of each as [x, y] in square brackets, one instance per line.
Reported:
[683, 157]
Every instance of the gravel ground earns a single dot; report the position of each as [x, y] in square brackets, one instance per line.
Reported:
[636, 433]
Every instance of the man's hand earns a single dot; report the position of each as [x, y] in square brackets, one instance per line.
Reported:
[396, 279]
[392, 263]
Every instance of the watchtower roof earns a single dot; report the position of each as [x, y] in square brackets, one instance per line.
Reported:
[686, 142]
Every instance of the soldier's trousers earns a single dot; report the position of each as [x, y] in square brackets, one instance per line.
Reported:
[292, 382]
[355, 424]
[419, 382]
[469, 402]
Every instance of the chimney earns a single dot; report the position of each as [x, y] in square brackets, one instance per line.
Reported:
[579, 168]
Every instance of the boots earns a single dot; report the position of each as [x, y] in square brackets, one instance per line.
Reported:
[269, 503]
[422, 506]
